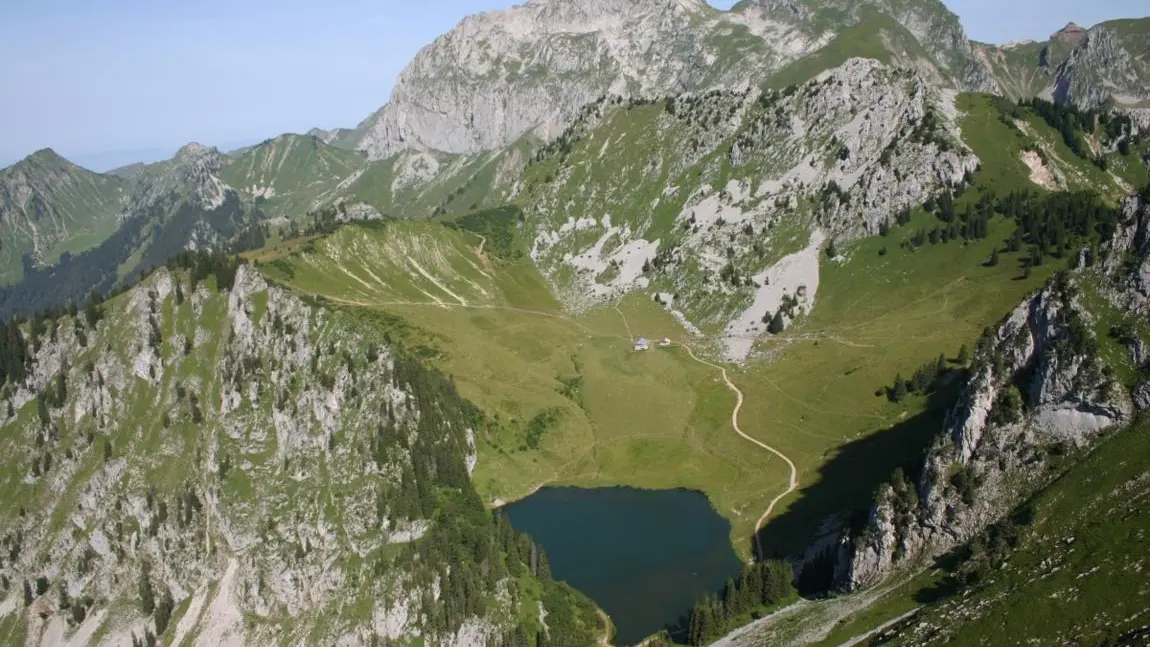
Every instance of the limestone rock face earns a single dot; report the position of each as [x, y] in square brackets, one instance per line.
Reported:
[241, 453]
[193, 171]
[1085, 67]
[1126, 258]
[1105, 64]
[994, 443]
[1038, 380]
[731, 169]
[529, 69]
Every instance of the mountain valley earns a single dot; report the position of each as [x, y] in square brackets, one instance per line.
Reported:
[881, 293]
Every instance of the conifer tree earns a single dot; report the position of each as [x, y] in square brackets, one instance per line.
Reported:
[776, 326]
[899, 390]
[147, 596]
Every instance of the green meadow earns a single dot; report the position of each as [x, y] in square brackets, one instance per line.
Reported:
[568, 400]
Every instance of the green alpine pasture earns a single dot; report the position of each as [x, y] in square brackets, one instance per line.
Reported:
[289, 174]
[70, 210]
[570, 402]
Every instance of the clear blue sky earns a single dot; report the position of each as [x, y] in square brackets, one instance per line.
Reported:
[92, 76]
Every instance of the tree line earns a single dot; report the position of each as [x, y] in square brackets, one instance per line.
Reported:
[760, 586]
[1069, 121]
[474, 549]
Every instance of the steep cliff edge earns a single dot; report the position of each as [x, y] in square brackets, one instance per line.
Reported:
[1084, 67]
[1037, 382]
[239, 467]
[709, 193]
[529, 69]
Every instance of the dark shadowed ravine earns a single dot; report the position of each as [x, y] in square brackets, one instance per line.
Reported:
[644, 556]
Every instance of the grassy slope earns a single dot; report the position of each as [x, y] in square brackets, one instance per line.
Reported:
[867, 39]
[85, 206]
[1085, 567]
[653, 420]
[659, 419]
[298, 169]
[1000, 148]
[1084, 557]
[459, 183]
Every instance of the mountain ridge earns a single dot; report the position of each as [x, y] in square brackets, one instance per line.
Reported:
[685, 46]
[442, 117]
[822, 227]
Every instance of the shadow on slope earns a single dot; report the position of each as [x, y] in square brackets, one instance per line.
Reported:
[846, 483]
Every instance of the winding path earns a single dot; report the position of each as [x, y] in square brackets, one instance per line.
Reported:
[794, 482]
[794, 475]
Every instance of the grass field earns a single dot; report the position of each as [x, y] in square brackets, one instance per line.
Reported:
[570, 402]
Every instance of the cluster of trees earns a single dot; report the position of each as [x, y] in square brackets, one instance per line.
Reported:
[761, 585]
[161, 609]
[986, 553]
[1069, 121]
[1048, 225]
[925, 380]
[931, 130]
[539, 425]
[205, 263]
[320, 221]
[729, 274]
[972, 223]
[790, 303]
[253, 236]
[14, 356]
[473, 549]
[498, 227]
[704, 111]
[755, 132]
[1054, 224]
[830, 192]
[1119, 127]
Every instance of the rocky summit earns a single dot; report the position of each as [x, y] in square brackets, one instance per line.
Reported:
[498, 76]
[879, 292]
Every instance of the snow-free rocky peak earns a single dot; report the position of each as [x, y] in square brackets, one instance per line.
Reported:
[529, 69]
[194, 150]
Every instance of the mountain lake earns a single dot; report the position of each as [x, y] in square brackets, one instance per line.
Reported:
[644, 556]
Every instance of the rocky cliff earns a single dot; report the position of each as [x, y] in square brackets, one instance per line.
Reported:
[1086, 67]
[1037, 383]
[1126, 259]
[936, 30]
[713, 196]
[531, 68]
[239, 467]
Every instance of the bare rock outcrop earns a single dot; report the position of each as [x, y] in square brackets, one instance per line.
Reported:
[529, 69]
[1036, 382]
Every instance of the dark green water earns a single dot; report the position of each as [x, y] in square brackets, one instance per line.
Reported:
[643, 556]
